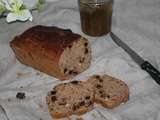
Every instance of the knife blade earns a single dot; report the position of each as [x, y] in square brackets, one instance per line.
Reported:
[144, 64]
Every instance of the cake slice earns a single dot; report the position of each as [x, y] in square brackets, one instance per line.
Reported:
[70, 98]
[109, 91]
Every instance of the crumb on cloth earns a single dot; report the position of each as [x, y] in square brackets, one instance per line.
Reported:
[21, 74]
[20, 95]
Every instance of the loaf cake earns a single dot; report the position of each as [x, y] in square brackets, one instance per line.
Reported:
[52, 50]
[109, 91]
[70, 98]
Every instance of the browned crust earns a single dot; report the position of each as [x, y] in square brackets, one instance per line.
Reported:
[47, 41]
[40, 63]
[60, 114]
[81, 111]
[84, 110]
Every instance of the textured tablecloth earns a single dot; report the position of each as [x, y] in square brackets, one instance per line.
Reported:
[137, 22]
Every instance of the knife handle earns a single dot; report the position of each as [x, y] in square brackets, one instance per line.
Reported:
[154, 73]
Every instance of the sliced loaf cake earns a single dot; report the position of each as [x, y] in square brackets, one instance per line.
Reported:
[52, 50]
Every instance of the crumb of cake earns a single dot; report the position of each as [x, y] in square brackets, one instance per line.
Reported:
[20, 74]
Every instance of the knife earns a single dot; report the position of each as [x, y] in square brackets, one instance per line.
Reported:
[145, 65]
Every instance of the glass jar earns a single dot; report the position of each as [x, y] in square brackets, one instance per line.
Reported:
[96, 16]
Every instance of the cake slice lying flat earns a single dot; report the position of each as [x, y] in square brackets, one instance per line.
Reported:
[78, 97]
[70, 98]
[109, 91]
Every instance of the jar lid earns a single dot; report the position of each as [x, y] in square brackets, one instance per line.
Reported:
[94, 1]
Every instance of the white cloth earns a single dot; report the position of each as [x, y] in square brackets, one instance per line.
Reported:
[136, 22]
